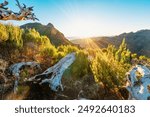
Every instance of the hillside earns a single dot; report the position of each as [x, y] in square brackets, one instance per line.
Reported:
[137, 42]
[27, 54]
[56, 37]
[29, 63]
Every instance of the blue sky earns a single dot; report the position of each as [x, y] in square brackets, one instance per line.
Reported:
[84, 18]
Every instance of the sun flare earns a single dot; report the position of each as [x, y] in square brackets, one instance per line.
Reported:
[82, 26]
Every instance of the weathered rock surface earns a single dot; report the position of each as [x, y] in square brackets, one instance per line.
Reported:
[139, 88]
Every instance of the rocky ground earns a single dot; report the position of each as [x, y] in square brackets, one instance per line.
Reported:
[74, 89]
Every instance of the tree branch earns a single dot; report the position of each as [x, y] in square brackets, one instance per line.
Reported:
[53, 75]
[25, 13]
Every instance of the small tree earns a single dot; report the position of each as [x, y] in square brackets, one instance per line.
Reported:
[14, 36]
[107, 70]
[123, 54]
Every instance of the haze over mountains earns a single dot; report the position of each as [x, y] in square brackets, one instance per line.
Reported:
[138, 42]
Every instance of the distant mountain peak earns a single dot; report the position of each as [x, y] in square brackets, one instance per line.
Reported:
[50, 25]
[56, 37]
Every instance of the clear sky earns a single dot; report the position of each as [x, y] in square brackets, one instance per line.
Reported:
[83, 18]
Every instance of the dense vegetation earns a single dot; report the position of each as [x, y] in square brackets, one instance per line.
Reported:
[92, 69]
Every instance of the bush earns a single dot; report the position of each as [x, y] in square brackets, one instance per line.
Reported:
[32, 35]
[123, 54]
[107, 70]
[67, 49]
[11, 36]
[3, 33]
[15, 36]
[80, 67]
[49, 52]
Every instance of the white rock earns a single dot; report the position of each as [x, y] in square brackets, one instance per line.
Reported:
[139, 89]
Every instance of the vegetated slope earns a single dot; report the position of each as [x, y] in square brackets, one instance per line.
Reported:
[56, 37]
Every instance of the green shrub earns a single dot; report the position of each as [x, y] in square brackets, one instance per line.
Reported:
[107, 70]
[3, 33]
[81, 65]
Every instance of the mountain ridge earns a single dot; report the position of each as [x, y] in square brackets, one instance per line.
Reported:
[138, 42]
[56, 37]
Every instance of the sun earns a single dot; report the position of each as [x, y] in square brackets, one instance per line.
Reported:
[82, 26]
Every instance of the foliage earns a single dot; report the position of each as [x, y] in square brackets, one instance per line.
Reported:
[39, 47]
[49, 51]
[81, 65]
[32, 35]
[123, 54]
[66, 49]
[11, 35]
[107, 69]
[3, 33]
[142, 58]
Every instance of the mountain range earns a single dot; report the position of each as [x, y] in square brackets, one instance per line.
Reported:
[137, 42]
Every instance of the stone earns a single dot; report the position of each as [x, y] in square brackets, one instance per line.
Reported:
[139, 89]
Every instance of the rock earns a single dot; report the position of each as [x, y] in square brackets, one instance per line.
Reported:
[139, 89]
